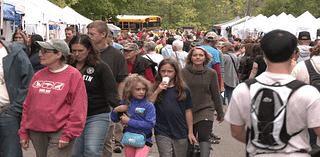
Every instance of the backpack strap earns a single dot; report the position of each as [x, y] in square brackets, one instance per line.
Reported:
[149, 58]
[234, 65]
[310, 67]
[247, 139]
[294, 85]
[250, 82]
[312, 72]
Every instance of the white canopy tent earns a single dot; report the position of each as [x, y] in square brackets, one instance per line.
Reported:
[250, 26]
[305, 22]
[224, 32]
[114, 28]
[260, 23]
[39, 14]
[72, 17]
[19, 5]
[42, 13]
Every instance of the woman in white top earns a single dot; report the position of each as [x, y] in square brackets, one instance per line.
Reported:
[178, 54]
[151, 55]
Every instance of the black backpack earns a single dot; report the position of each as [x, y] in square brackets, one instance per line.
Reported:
[268, 114]
[314, 77]
[153, 66]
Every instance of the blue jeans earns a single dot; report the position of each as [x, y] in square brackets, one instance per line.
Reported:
[91, 140]
[9, 138]
[227, 93]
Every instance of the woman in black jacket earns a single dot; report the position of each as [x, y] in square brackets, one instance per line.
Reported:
[102, 93]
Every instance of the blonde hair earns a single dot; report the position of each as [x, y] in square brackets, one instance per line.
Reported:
[206, 54]
[130, 82]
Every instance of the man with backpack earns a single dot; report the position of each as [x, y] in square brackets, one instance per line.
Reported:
[272, 113]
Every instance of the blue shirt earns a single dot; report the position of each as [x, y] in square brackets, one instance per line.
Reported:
[171, 114]
[166, 51]
[117, 46]
[214, 53]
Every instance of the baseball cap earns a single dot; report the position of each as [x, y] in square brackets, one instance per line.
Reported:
[304, 35]
[56, 44]
[130, 46]
[212, 36]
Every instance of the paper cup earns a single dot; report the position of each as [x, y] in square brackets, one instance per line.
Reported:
[167, 79]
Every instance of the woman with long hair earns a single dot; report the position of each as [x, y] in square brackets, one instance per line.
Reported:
[34, 52]
[247, 66]
[102, 93]
[173, 103]
[247, 54]
[21, 36]
[204, 86]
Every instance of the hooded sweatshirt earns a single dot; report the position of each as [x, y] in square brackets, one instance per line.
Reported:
[205, 93]
[304, 53]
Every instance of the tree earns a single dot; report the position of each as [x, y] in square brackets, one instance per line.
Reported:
[96, 9]
[63, 3]
[294, 7]
[249, 7]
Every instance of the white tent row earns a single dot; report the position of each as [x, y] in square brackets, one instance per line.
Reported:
[223, 26]
[39, 14]
[263, 24]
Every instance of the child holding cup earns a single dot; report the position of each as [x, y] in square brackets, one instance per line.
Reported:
[173, 103]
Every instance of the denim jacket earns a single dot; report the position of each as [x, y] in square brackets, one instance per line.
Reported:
[18, 73]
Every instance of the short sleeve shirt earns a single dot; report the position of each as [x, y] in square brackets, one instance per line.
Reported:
[171, 115]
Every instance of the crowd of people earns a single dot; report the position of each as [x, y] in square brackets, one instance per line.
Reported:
[73, 97]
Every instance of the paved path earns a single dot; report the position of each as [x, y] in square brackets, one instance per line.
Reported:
[228, 146]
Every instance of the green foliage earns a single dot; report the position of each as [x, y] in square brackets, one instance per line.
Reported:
[200, 13]
[294, 7]
[96, 9]
[63, 3]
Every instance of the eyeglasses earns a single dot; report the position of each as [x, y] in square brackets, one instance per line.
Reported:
[46, 51]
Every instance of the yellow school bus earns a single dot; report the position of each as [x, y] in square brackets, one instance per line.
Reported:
[139, 22]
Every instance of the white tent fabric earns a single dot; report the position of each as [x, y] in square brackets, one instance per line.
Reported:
[225, 23]
[260, 23]
[72, 17]
[19, 5]
[114, 28]
[40, 13]
[224, 33]
[253, 25]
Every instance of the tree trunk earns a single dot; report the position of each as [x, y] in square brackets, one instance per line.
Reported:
[249, 8]
[170, 15]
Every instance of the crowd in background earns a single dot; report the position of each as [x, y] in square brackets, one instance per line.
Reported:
[118, 71]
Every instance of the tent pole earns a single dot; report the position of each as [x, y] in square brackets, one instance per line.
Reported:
[244, 27]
